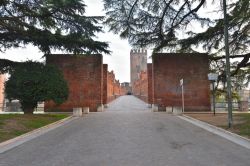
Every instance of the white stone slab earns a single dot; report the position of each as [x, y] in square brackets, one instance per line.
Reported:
[169, 110]
[155, 108]
[77, 112]
[85, 110]
[177, 110]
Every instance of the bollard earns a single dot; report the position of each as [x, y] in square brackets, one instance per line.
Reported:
[154, 108]
[177, 110]
[77, 112]
[100, 108]
[106, 105]
[169, 110]
[85, 110]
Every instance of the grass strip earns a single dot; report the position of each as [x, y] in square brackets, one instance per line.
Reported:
[13, 125]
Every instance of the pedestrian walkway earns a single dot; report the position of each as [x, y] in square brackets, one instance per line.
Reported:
[128, 103]
[127, 134]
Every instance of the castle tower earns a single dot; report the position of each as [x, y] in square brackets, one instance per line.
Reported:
[138, 63]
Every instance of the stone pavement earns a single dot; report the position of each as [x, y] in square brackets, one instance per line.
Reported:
[127, 134]
[128, 104]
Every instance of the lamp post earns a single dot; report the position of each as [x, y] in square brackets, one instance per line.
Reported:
[182, 93]
[213, 78]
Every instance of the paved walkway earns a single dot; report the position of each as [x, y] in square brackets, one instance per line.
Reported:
[127, 134]
[128, 104]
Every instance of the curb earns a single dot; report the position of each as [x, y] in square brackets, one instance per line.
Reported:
[14, 142]
[235, 138]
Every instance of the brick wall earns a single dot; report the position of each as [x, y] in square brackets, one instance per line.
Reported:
[105, 84]
[110, 86]
[114, 88]
[84, 74]
[150, 81]
[117, 88]
[140, 86]
[126, 88]
[168, 69]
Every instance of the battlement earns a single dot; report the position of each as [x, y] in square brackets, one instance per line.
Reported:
[138, 51]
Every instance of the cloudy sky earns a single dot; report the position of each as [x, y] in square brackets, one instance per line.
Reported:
[117, 61]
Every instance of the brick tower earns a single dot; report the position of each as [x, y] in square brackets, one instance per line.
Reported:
[138, 63]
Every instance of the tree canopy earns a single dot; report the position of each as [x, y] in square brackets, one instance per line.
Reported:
[173, 25]
[33, 82]
[49, 25]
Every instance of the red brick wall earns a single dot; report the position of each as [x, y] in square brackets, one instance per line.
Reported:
[110, 86]
[114, 88]
[105, 84]
[125, 88]
[117, 88]
[84, 74]
[124, 91]
[150, 90]
[168, 69]
[140, 86]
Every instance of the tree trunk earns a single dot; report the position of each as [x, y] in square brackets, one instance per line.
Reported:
[28, 107]
[28, 110]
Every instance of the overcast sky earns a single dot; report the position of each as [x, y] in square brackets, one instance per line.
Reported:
[118, 61]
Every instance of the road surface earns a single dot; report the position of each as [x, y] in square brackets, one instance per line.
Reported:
[127, 134]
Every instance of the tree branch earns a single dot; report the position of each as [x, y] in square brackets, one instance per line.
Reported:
[233, 56]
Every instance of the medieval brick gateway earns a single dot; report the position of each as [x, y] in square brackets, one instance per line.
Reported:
[92, 85]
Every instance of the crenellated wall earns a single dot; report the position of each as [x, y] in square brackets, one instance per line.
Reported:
[114, 88]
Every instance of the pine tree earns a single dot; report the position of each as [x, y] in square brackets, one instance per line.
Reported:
[49, 25]
[159, 23]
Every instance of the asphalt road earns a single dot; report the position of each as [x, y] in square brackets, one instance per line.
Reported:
[127, 134]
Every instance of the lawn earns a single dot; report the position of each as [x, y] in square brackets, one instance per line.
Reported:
[13, 125]
[241, 122]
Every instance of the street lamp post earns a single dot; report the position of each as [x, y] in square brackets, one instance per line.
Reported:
[182, 93]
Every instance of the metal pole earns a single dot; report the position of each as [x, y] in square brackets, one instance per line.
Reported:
[182, 89]
[213, 98]
[229, 93]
